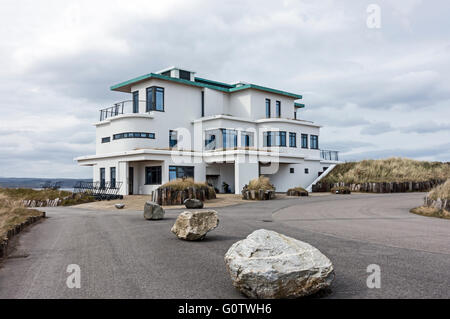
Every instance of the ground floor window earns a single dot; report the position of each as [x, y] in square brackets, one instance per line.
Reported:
[102, 178]
[180, 172]
[153, 175]
[112, 171]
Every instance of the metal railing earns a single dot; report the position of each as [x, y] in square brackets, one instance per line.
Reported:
[329, 155]
[124, 107]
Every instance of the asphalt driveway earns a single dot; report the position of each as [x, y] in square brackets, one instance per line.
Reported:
[121, 255]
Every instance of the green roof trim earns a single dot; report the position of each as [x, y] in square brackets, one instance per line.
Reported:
[214, 85]
[299, 105]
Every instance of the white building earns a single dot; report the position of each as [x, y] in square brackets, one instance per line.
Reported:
[175, 124]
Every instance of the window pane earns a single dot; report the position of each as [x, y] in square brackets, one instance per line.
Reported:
[136, 102]
[149, 105]
[159, 99]
[267, 108]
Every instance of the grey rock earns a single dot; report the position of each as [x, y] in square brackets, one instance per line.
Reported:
[153, 211]
[270, 265]
[195, 225]
[193, 203]
[119, 206]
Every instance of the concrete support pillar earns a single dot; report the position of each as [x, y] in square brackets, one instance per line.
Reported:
[244, 171]
[122, 176]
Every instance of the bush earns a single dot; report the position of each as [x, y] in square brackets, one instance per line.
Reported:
[297, 191]
[180, 184]
[261, 182]
[340, 190]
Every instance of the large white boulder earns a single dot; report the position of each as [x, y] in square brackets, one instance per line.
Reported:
[195, 225]
[270, 265]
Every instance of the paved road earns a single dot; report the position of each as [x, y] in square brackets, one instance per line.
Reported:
[123, 256]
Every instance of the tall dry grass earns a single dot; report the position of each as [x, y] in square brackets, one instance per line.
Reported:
[261, 182]
[180, 184]
[388, 170]
[441, 191]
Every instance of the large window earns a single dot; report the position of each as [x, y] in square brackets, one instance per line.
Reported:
[153, 175]
[278, 109]
[155, 99]
[268, 108]
[292, 139]
[173, 138]
[102, 178]
[246, 139]
[112, 173]
[133, 135]
[314, 142]
[267, 140]
[136, 102]
[229, 138]
[304, 140]
[281, 138]
[180, 172]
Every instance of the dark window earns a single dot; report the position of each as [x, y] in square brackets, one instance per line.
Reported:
[267, 140]
[246, 139]
[304, 140]
[229, 138]
[185, 75]
[295, 115]
[203, 103]
[112, 171]
[155, 99]
[292, 139]
[106, 139]
[210, 142]
[153, 175]
[268, 108]
[291, 170]
[306, 170]
[278, 109]
[136, 102]
[180, 172]
[102, 178]
[173, 138]
[281, 138]
[167, 73]
[314, 142]
[133, 135]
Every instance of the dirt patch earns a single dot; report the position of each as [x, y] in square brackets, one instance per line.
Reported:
[431, 212]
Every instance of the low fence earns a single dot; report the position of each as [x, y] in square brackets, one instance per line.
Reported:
[437, 203]
[260, 194]
[169, 196]
[393, 187]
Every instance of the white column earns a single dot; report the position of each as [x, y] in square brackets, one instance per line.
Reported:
[122, 176]
[244, 171]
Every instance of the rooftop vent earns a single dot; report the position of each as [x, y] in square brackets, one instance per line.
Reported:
[178, 73]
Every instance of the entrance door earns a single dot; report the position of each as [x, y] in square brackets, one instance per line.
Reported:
[130, 180]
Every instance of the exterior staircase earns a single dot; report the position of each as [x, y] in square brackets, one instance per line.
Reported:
[325, 173]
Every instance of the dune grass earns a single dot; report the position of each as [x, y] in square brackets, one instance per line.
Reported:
[32, 194]
[431, 212]
[388, 170]
[441, 191]
[12, 213]
[298, 189]
[180, 184]
[261, 182]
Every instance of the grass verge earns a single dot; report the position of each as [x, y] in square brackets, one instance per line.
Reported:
[431, 212]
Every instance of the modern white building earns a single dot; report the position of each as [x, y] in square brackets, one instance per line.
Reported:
[174, 124]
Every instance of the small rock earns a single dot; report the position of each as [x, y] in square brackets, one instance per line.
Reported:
[119, 206]
[193, 203]
[195, 225]
[153, 211]
[270, 265]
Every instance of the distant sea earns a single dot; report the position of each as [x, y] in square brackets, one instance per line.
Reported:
[36, 183]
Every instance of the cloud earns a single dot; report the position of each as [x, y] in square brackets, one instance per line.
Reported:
[59, 58]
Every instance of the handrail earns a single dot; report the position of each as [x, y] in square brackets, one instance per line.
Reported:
[118, 109]
[329, 155]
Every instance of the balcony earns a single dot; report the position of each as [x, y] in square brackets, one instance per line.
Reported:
[329, 155]
[124, 107]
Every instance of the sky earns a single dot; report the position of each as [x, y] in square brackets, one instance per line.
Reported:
[378, 91]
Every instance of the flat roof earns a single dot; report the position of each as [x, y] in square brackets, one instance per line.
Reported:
[201, 82]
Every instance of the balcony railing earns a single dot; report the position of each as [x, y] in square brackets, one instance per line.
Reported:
[124, 107]
[329, 155]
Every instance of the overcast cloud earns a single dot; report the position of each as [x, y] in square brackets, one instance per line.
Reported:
[378, 92]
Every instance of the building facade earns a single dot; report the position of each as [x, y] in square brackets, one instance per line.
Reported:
[175, 125]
